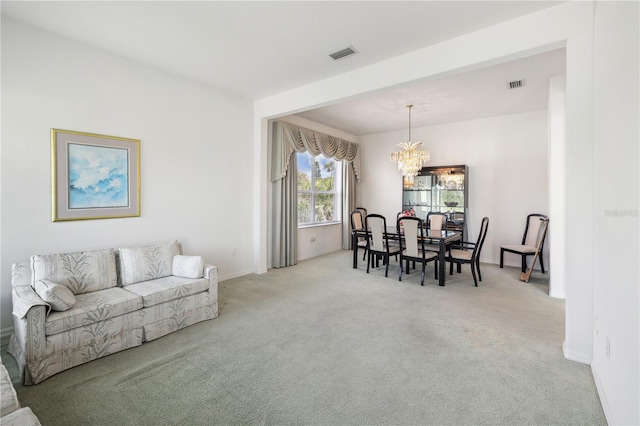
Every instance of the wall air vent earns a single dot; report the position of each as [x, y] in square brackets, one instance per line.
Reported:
[343, 53]
[515, 84]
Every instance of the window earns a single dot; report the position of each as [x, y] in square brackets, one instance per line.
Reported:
[318, 198]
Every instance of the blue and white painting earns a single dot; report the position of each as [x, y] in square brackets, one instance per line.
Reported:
[98, 176]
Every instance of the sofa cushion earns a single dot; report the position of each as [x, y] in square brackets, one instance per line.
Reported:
[187, 266]
[8, 398]
[22, 417]
[146, 263]
[58, 296]
[169, 288]
[82, 271]
[93, 307]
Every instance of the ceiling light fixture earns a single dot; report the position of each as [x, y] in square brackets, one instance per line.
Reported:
[410, 159]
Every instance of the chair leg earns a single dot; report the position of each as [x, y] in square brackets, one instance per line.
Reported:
[450, 268]
[541, 262]
[386, 269]
[424, 265]
[459, 268]
[473, 272]
[369, 262]
[478, 269]
[501, 258]
[436, 266]
[365, 254]
[400, 268]
[524, 263]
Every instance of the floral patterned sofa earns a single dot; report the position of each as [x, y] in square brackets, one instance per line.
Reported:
[72, 308]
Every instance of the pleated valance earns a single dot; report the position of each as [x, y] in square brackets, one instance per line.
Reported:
[289, 138]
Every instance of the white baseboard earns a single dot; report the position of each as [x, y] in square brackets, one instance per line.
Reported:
[231, 276]
[603, 397]
[319, 253]
[575, 356]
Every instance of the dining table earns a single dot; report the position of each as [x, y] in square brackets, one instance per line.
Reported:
[441, 238]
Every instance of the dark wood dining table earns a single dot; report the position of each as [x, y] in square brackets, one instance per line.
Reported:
[443, 239]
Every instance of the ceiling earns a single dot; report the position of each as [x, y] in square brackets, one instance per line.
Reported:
[256, 49]
[466, 96]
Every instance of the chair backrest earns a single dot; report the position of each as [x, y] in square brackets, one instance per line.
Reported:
[481, 236]
[357, 224]
[412, 230]
[457, 216]
[377, 226]
[534, 232]
[363, 211]
[437, 221]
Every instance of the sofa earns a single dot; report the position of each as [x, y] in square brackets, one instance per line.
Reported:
[11, 413]
[72, 308]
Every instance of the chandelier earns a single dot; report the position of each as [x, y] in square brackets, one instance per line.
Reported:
[409, 159]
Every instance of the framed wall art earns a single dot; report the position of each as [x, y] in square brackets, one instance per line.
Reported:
[94, 176]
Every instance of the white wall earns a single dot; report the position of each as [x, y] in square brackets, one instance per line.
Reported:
[507, 159]
[195, 154]
[318, 240]
[616, 354]
[557, 113]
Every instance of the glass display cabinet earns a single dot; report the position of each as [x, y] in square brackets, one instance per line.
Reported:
[438, 189]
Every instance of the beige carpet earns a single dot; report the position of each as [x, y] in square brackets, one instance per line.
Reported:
[322, 343]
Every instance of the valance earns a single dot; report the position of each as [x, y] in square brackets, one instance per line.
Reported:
[289, 138]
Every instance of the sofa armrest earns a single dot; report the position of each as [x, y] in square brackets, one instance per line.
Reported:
[211, 273]
[28, 344]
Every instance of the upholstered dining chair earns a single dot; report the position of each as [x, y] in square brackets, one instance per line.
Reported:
[412, 246]
[357, 224]
[534, 236]
[436, 221]
[379, 244]
[467, 252]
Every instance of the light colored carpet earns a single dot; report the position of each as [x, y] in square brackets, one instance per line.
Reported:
[322, 343]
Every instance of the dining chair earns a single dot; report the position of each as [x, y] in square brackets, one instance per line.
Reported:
[363, 211]
[436, 221]
[468, 252]
[412, 246]
[379, 244]
[534, 236]
[357, 224]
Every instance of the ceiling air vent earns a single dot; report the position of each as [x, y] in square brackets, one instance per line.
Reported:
[515, 84]
[343, 53]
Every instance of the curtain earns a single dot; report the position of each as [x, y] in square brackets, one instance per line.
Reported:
[287, 140]
[348, 203]
[285, 218]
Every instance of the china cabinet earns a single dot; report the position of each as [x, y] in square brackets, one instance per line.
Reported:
[439, 189]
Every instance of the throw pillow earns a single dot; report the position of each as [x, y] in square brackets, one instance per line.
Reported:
[148, 262]
[58, 296]
[187, 266]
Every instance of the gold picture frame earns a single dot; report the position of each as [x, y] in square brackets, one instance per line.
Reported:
[94, 176]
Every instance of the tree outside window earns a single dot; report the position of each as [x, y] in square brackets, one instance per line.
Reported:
[317, 177]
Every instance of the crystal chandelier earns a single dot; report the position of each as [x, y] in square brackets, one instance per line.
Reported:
[410, 159]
